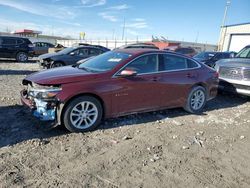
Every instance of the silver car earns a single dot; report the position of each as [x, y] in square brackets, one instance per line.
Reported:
[234, 73]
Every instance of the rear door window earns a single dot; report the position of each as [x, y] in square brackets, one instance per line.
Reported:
[20, 41]
[82, 52]
[172, 63]
[94, 52]
[191, 64]
[8, 41]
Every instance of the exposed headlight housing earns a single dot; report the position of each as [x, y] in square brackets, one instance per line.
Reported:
[43, 92]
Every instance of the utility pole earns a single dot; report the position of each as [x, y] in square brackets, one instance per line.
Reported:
[225, 13]
[123, 30]
[197, 37]
[223, 25]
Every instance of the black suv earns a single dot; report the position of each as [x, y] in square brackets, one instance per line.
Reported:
[69, 56]
[15, 47]
[210, 58]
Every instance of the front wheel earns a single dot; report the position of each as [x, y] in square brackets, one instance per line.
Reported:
[21, 56]
[83, 114]
[196, 100]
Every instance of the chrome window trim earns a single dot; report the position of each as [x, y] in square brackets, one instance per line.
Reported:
[160, 53]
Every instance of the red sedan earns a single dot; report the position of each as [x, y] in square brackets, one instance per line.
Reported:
[118, 83]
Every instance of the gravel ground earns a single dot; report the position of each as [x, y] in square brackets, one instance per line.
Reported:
[168, 148]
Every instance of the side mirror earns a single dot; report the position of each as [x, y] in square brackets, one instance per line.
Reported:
[72, 53]
[128, 73]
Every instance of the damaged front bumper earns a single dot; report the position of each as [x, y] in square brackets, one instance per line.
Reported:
[44, 110]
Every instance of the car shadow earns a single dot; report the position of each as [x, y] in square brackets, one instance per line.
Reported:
[16, 72]
[222, 101]
[31, 60]
[18, 125]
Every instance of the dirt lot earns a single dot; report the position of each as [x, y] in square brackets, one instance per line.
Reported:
[160, 149]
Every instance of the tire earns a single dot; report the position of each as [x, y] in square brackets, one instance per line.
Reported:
[21, 57]
[56, 64]
[77, 118]
[196, 100]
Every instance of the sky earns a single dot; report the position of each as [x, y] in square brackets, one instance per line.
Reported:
[185, 20]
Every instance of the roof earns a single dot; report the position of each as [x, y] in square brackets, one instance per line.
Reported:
[13, 36]
[232, 25]
[134, 51]
[139, 51]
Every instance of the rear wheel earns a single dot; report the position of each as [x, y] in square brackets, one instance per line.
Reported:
[83, 114]
[56, 64]
[196, 100]
[21, 56]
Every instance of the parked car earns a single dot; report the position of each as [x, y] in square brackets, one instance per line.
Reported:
[16, 47]
[69, 56]
[210, 58]
[204, 56]
[188, 51]
[56, 48]
[139, 45]
[116, 83]
[93, 45]
[42, 47]
[234, 73]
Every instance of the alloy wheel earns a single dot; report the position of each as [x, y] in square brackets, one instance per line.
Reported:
[83, 115]
[197, 99]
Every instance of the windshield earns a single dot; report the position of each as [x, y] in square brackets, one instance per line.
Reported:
[244, 53]
[104, 62]
[204, 55]
[67, 50]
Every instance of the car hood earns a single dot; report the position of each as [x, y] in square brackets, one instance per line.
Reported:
[234, 62]
[49, 55]
[61, 75]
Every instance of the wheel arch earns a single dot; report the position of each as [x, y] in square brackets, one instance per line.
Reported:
[204, 85]
[58, 61]
[21, 51]
[66, 103]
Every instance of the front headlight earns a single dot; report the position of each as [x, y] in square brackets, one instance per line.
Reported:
[43, 92]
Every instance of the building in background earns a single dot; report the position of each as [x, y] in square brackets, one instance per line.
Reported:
[234, 37]
[112, 44]
[27, 33]
[34, 36]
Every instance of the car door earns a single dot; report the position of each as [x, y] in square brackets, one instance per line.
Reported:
[178, 75]
[44, 48]
[140, 92]
[81, 53]
[8, 47]
[1, 49]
